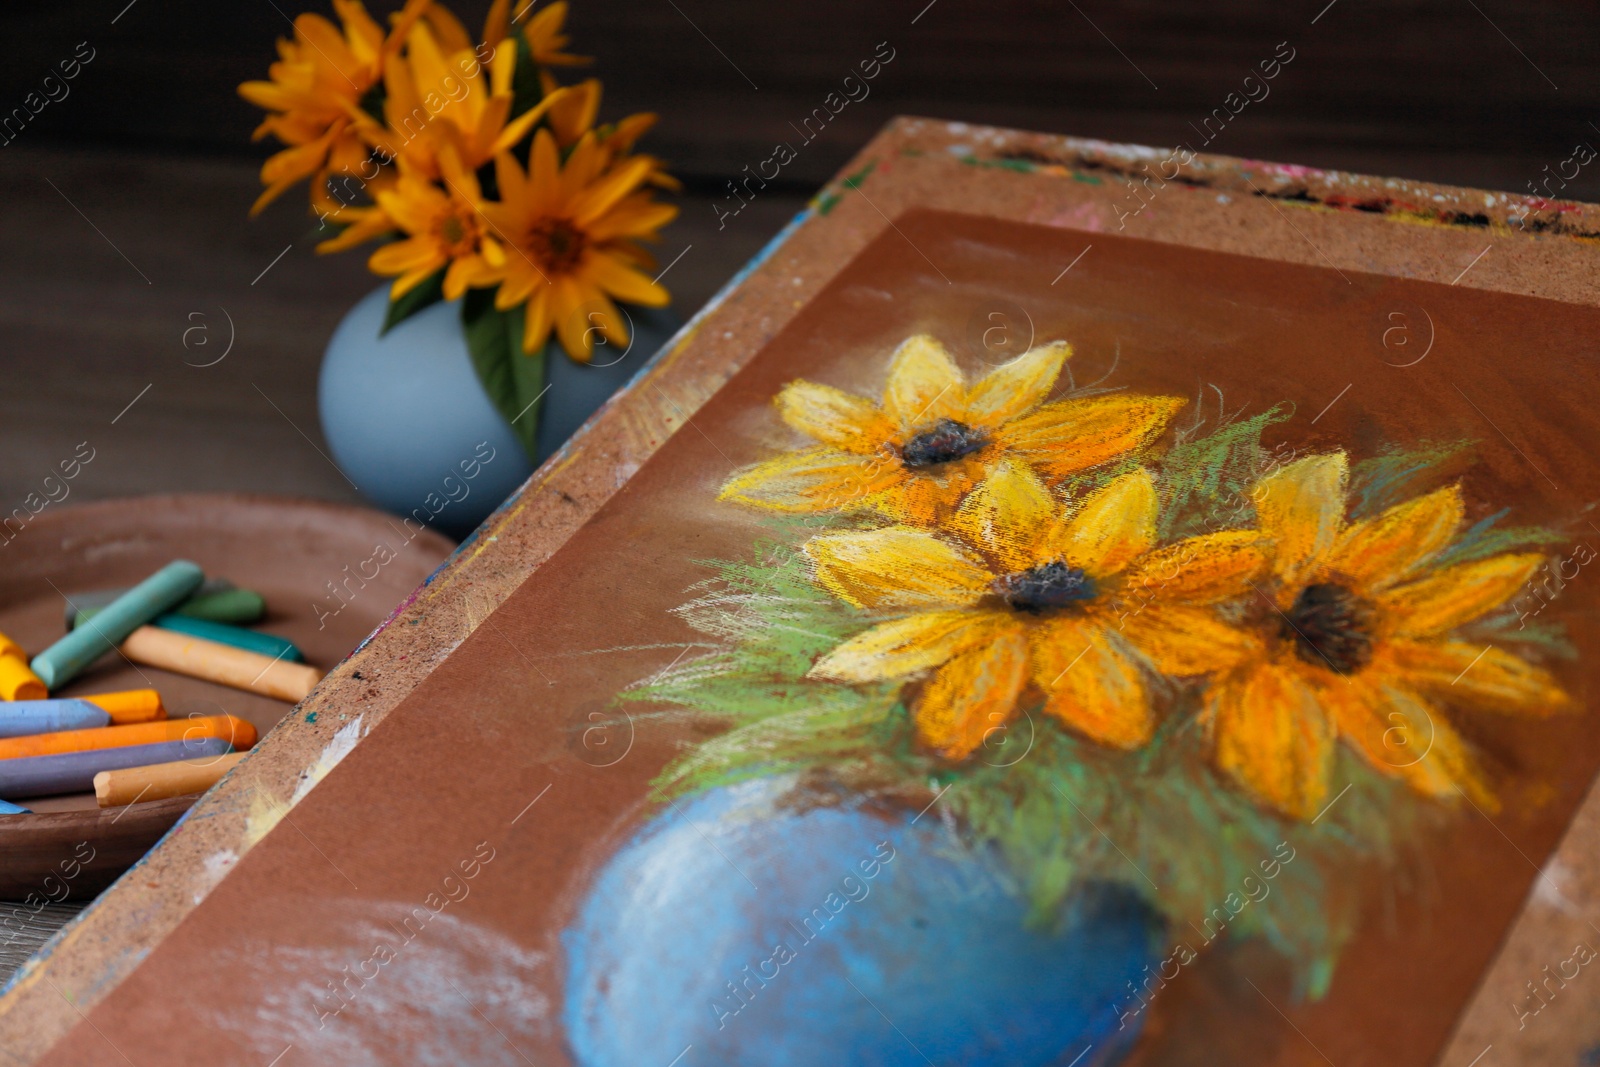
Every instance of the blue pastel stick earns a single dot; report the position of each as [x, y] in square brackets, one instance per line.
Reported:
[23, 717]
[8, 808]
[159, 593]
[73, 772]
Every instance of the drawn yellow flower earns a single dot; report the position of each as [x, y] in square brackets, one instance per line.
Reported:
[1351, 641]
[1036, 592]
[918, 453]
[445, 227]
[314, 93]
[573, 229]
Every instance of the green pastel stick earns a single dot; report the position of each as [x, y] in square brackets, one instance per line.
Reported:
[92, 601]
[156, 595]
[222, 605]
[237, 636]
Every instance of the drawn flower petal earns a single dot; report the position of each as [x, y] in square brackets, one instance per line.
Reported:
[974, 693]
[1454, 596]
[1300, 508]
[905, 646]
[1481, 676]
[1006, 515]
[816, 479]
[834, 417]
[1383, 550]
[1400, 734]
[927, 499]
[1206, 569]
[896, 567]
[1188, 640]
[1017, 386]
[1273, 738]
[1115, 525]
[924, 385]
[1093, 685]
[1073, 435]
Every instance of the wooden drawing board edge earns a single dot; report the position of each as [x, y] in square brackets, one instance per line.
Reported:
[1490, 241]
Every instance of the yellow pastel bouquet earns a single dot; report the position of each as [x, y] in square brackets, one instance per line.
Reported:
[487, 180]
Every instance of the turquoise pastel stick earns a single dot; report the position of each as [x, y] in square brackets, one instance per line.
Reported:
[90, 603]
[23, 717]
[159, 593]
[8, 808]
[237, 636]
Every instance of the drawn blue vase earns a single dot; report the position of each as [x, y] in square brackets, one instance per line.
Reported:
[739, 929]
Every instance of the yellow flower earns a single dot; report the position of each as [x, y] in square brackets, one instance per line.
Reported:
[1035, 593]
[546, 41]
[444, 226]
[1352, 641]
[438, 96]
[572, 229]
[315, 90]
[574, 114]
[914, 456]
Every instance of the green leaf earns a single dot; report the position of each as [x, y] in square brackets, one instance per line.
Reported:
[513, 381]
[426, 294]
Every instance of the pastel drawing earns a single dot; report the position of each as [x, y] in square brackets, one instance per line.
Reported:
[1124, 660]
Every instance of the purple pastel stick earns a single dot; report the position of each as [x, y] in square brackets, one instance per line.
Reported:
[73, 772]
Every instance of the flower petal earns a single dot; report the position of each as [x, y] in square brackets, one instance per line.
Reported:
[1185, 641]
[905, 646]
[1017, 386]
[924, 385]
[1401, 735]
[1273, 738]
[1456, 595]
[1093, 685]
[972, 696]
[1300, 508]
[1385, 549]
[1006, 515]
[1199, 570]
[817, 479]
[1074, 435]
[896, 567]
[834, 416]
[1114, 526]
[1486, 677]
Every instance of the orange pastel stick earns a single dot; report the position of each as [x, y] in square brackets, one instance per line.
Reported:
[239, 732]
[131, 705]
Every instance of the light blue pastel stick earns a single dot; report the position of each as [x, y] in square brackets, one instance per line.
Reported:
[160, 592]
[20, 718]
[8, 808]
[73, 772]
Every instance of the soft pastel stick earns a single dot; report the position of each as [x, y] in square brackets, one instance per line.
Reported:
[95, 599]
[113, 789]
[8, 808]
[73, 772]
[250, 640]
[130, 705]
[241, 733]
[222, 664]
[23, 717]
[17, 682]
[222, 605]
[158, 593]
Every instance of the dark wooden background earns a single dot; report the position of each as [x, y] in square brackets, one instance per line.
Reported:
[124, 204]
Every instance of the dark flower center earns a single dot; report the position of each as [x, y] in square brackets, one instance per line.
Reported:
[1054, 585]
[1330, 627]
[948, 440]
[557, 244]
